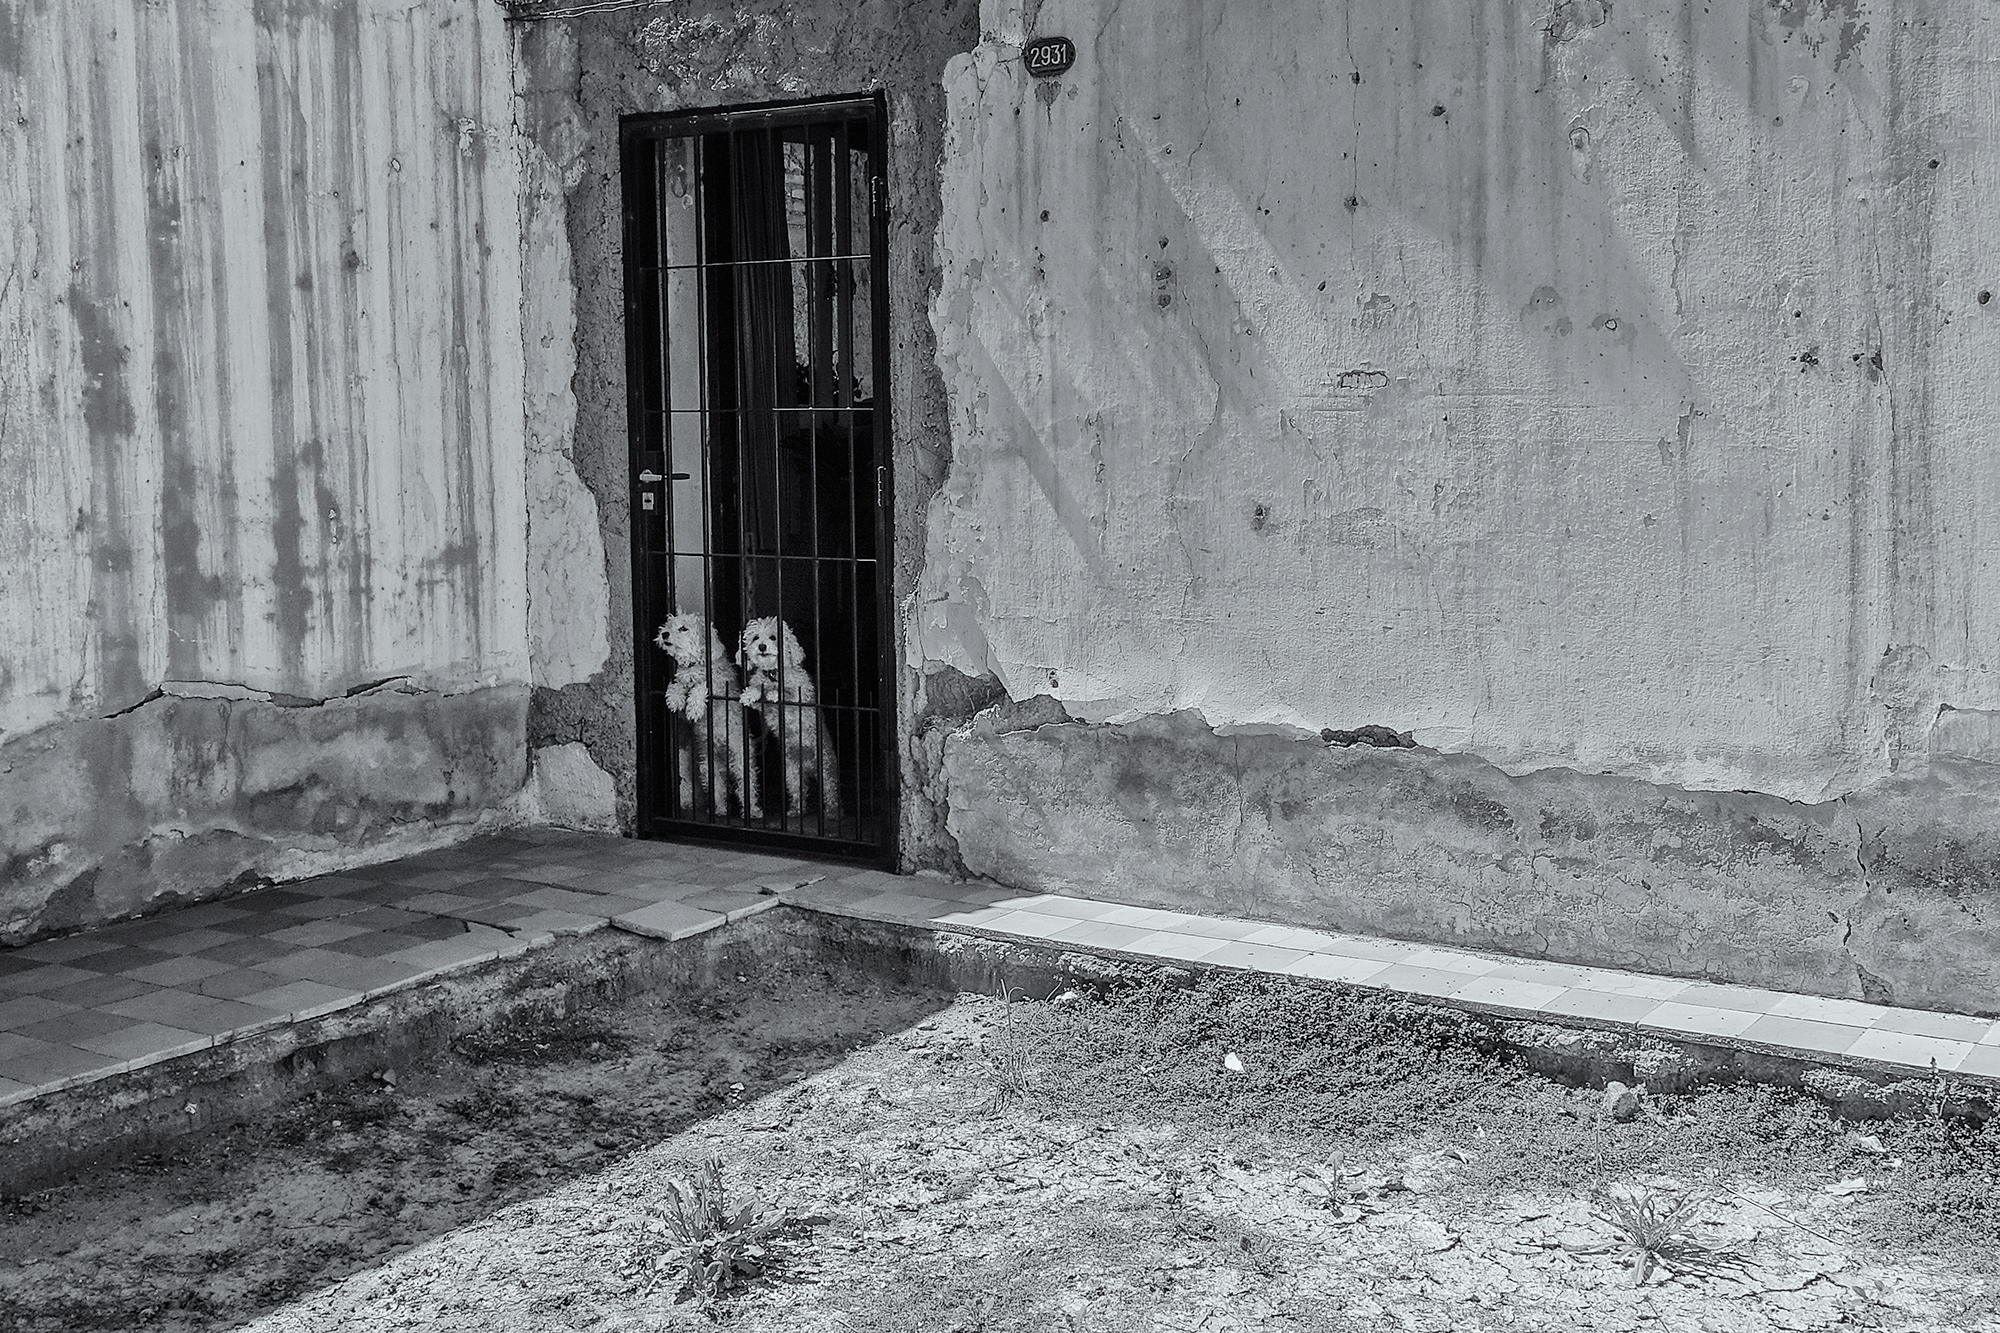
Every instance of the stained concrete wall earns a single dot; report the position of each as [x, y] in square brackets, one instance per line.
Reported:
[577, 76]
[1593, 389]
[261, 439]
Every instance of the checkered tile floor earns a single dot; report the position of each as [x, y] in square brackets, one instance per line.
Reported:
[110, 1000]
[117, 998]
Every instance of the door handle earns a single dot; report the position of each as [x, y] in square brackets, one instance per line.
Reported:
[648, 477]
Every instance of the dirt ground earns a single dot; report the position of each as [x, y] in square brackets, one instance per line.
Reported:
[963, 1166]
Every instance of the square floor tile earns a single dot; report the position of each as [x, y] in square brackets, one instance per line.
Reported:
[441, 904]
[559, 900]
[445, 880]
[1257, 957]
[1511, 993]
[1289, 937]
[558, 923]
[251, 924]
[1743, 998]
[1909, 1049]
[192, 941]
[1170, 944]
[47, 976]
[374, 944]
[246, 952]
[1421, 980]
[143, 931]
[1029, 921]
[1925, 1023]
[1123, 914]
[269, 900]
[1801, 1034]
[1827, 1009]
[21, 1010]
[207, 916]
[331, 886]
[1330, 967]
[727, 901]
[437, 928]
[1676, 1017]
[1453, 960]
[441, 955]
[497, 914]
[101, 991]
[1372, 946]
[331, 969]
[195, 1013]
[1545, 973]
[311, 934]
[1216, 927]
[1981, 1062]
[235, 984]
[1638, 985]
[11, 962]
[383, 895]
[69, 1028]
[1600, 1006]
[1077, 909]
[305, 999]
[1101, 934]
[667, 921]
[36, 1063]
[124, 958]
[176, 971]
[65, 950]
[323, 909]
[139, 1041]
[386, 918]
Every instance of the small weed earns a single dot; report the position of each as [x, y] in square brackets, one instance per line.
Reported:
[1007, 1056]
[715, 1241]
[1654, 1229]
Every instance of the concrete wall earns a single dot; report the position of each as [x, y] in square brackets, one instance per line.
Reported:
[577, 77]
[261, 439]
[1592, 389]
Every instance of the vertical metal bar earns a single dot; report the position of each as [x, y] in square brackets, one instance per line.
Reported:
[698, 146]
[883, 456]
[630, 143]
[662, 313]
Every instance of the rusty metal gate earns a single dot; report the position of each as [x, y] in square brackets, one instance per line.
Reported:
[756, 325]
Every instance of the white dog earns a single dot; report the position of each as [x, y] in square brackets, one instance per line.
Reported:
[706, 692]
[778, 687]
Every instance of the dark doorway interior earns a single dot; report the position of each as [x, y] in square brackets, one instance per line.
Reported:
[756, 320]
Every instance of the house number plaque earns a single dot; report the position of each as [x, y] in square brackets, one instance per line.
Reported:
[1047, 57]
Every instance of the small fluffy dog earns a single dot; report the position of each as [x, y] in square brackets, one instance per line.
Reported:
[706, 692]
[778, 687]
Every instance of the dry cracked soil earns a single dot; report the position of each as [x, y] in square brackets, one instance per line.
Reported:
[1201, 1156]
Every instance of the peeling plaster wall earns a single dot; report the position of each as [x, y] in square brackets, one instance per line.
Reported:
[577, 77]
[1883, 895]
[1597, 390]
[261, 424]
[1591, 385]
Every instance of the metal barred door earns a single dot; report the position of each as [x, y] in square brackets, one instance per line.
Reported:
[757, 363]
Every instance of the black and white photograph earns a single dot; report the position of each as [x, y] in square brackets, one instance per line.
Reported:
[1000, 666]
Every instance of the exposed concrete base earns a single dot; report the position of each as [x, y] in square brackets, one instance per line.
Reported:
[571, 791]
[1883, 896]
[185, 798]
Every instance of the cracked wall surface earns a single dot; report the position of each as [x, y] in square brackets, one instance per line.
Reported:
[577, 77]
[1884, 895]
[1594, 386]
[1593, 390]
[261, 434]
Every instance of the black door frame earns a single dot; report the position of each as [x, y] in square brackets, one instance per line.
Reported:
[652, 572]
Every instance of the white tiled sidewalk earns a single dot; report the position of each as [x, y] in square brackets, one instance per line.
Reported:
[1912, 1042]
